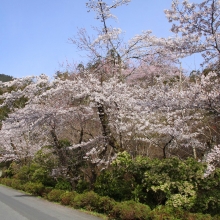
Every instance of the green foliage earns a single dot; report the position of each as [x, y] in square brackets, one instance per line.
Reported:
[25, 172]
[45, 161]
[20, 103]
[17, 184]
[12, 169]
[89, 201]
[5, 78]
[46, 158]
[55, 195]
[63, 184]
[33, 172]
[176, 183]
[106, 204]
[130, 210]
[117, 182]
[171, 213]
[4, 111]
[42, 175]
[67, 198]
[82, 186]
[6, 181]
[152, 181]
[216, 217]
[173, 181]
[171, 187]
[114, 184]
[46, 191]
[62, 75]
[34, 188]
[208, 194]
[64, 143]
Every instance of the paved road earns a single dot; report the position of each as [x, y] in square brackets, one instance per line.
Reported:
[15, 205]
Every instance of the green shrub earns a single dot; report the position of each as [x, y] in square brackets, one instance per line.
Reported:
[216, 217]
[130, 210]
[46, 191]
[173, 182]
[67, 197]
[152, 181]
[64, 143]
[165, 213]
[42, 175]
[89, 201]
[55, 194]
[63, 184]
[171, 213]
[208, 194]
[23, 173]
[6, 181]
[106, 204]
[12, 169]
[82, 186]
[198, 216]
[17, 184]
[115, 184]
[34, 188]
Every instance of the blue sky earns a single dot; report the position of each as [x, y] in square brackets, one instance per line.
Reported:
[34, 33]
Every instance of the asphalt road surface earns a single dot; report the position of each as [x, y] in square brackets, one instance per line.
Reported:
[15, 205]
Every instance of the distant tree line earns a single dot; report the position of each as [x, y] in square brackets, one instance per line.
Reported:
[5, 78]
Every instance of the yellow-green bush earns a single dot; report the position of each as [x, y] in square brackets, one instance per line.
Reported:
[34, 188]
[89, 200]
[6, 181]
[55, 195]
[67, 197]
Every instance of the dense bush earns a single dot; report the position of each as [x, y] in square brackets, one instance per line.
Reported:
[115, 185]
[171, 182]
[6, 181]
[130, 210]
[82, 186]
[46, 191]
[63, 185]
[106, 204]
[118, 182]
[12, 169]
[34, 188]
[208, 195]
[17, 184]
[88, 200]
[67, 198]
[42, 175]
[24, 173]
[168, 212]
[55, 195]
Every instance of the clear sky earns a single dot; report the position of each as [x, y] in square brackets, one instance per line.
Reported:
[34, 33]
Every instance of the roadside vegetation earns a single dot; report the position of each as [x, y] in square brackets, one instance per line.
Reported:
[138, 188]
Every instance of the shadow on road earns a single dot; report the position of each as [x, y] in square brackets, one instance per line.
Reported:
[24, 196]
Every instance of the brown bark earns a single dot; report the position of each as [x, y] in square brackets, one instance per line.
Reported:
[104, 119]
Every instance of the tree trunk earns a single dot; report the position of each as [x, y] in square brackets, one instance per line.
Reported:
[110, 139]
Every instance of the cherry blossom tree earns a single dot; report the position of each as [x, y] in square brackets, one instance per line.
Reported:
[131, 97]
[199, 26]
